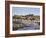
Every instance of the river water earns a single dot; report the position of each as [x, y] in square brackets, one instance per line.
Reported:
[29, 26]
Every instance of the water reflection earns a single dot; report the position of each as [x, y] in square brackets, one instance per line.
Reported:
[26, 25]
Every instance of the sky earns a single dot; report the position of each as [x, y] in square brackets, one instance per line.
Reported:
[25, 11]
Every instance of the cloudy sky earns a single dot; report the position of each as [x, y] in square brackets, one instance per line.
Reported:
[25, 11]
